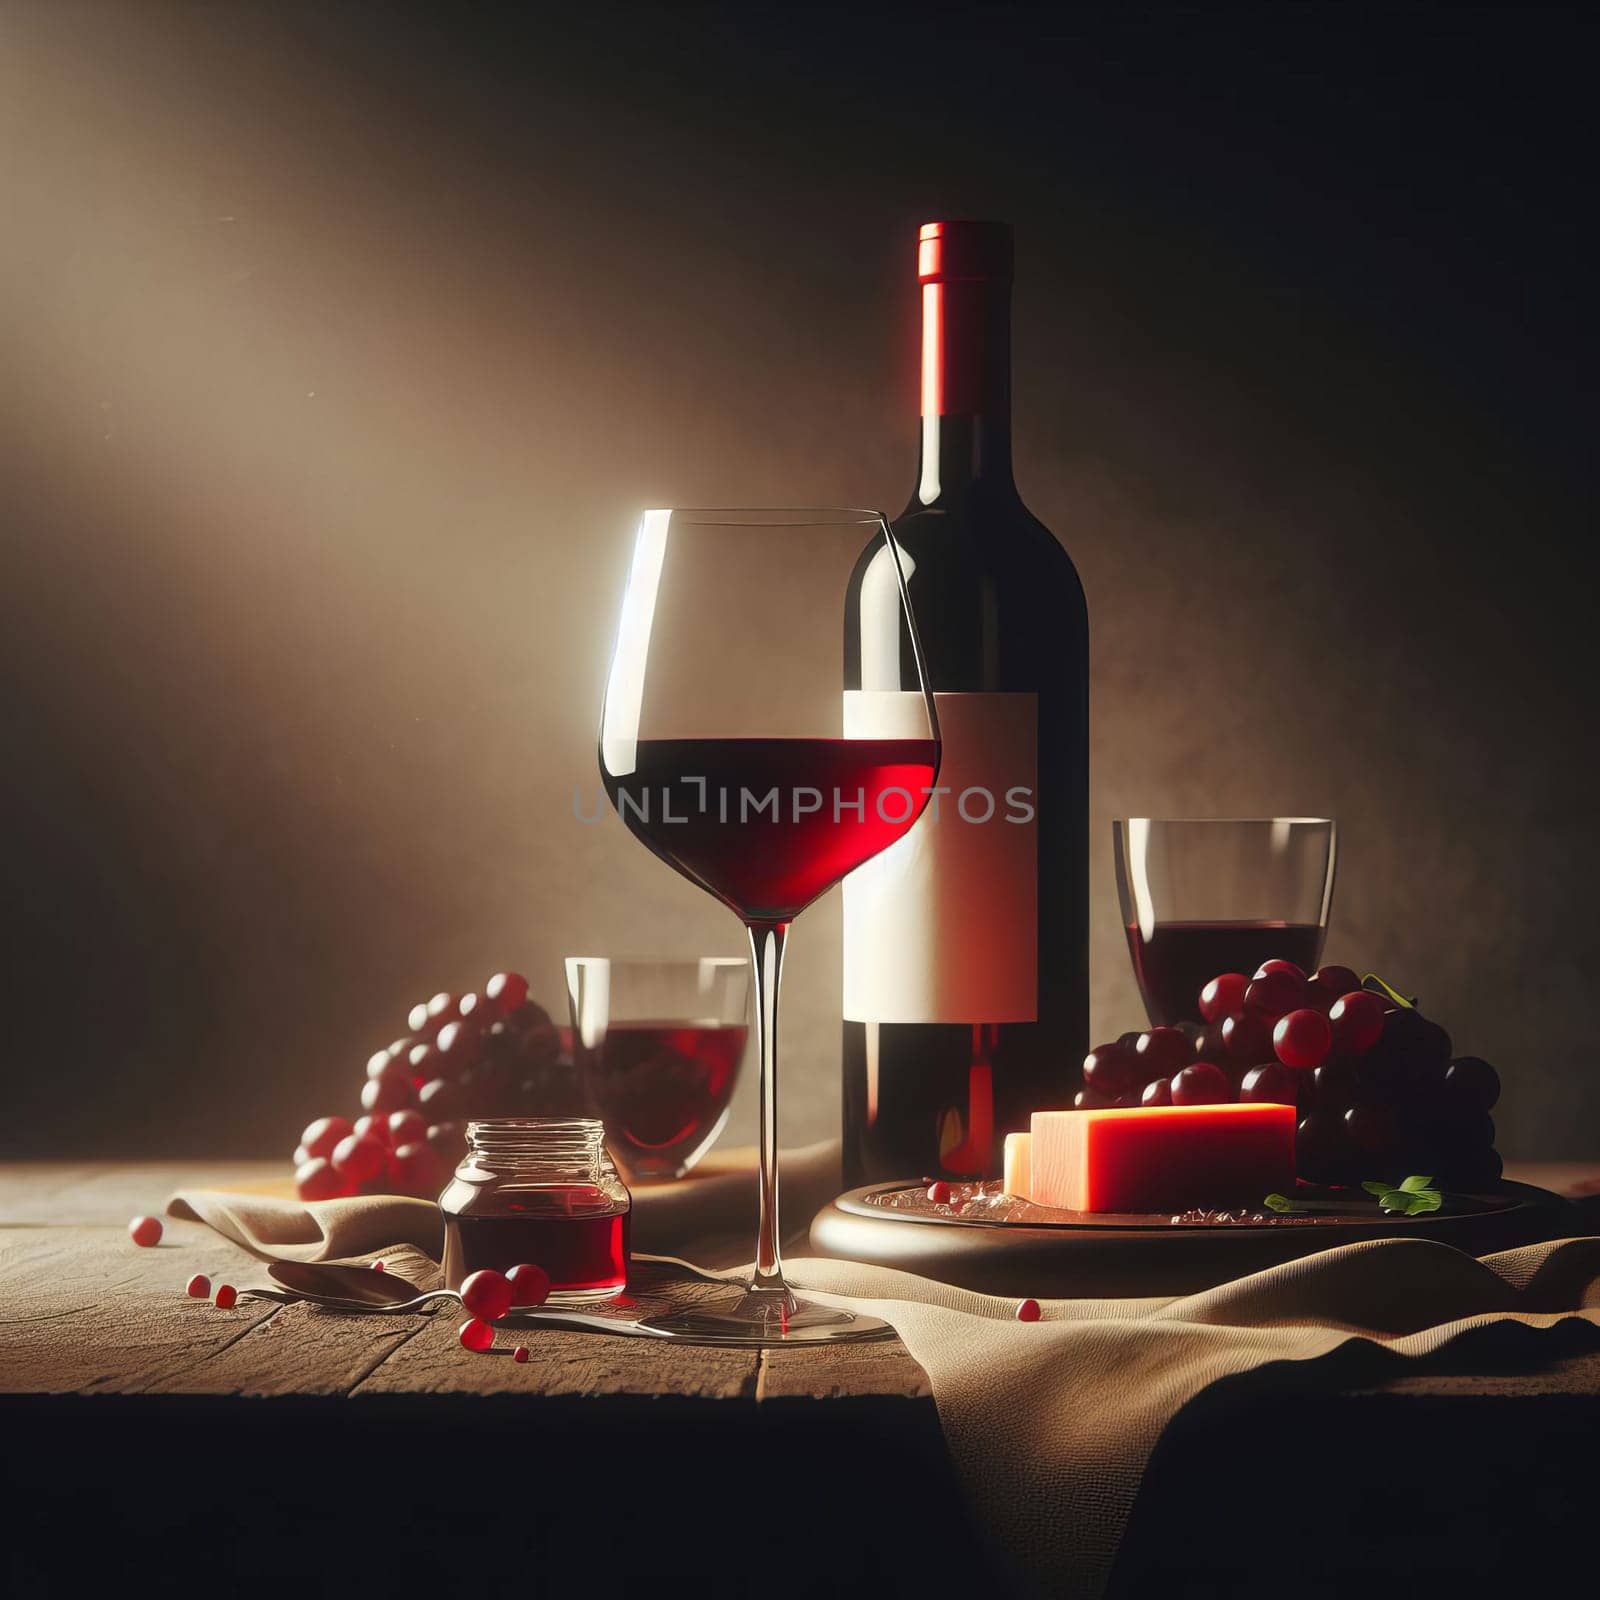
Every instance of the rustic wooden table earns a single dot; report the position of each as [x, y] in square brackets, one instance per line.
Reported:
[379, 1442]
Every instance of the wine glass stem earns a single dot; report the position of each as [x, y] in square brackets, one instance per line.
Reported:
[766, 971]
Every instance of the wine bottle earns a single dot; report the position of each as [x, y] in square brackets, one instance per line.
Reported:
[966, 943]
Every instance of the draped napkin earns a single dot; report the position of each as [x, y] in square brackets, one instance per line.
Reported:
[1050, 1452]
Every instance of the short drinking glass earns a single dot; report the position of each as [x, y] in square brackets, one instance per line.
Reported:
[658, 1045]
[1206, 895]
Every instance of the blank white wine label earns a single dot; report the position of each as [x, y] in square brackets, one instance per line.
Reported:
[944, 925]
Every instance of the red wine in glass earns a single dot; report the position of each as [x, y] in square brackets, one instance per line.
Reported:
[766, 825]
[1180, 958]
[720, 750]
[662, 1089]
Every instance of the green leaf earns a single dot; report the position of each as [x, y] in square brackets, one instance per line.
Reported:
[1376, 985]
[1410, 1203]
[1377, 1186]
[1281, 1202]
[1415, 1185]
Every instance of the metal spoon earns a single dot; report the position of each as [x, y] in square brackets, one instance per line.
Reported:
[340, 1288]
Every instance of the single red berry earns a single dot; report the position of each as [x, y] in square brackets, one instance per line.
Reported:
[440, 1009]
[939, 1193]
[373, 1127]
[301, 1156]
[145, 1231]
[530, 1285]
[458, 1046]
[198, 1287]
[505, 991]
[1303, 1038]
[439, 1099]
[476, 1334]
[1356, 1019]
[323, 1134]
[1092, 1100]
[1158, 1092]
[227, 1297]
[321, 1180]
[486, 1294]
[360, 1157]
[1276, 993]
[377, 1266]
[381, 1096]
[1327, 984]
[1272, 1084]
[406, 1127]
[1201, 1083]
[1028, 1311]
[1223, 995]
[520, 1354]
[1279, 965]
[379, 1062]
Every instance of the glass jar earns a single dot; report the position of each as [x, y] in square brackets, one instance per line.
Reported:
[540, 1190]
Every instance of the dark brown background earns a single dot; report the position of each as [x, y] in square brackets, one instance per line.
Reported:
[342, 345]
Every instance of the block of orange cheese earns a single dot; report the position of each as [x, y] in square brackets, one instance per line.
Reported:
[1161, 1158]
[1016, 1171]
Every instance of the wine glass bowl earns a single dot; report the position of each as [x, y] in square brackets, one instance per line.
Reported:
[726, 750]
[1206, 895]
[658, 1045]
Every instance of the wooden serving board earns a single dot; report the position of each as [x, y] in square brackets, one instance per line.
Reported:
[1081, 1255]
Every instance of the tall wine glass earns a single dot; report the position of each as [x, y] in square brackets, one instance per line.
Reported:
[726, 748]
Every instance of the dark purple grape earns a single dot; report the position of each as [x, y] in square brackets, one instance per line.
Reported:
[1110, 1069]
[1411, 1038]
[1092, 1100]
[440, 1100]
[459, 1045]
[1333, 1084]
[1322, 1150]
[1247, 1037]
[1162, 1051]
[1327, 984]
[1274, 1084]
[1130, 1039]
[1209, 1045]
[1275, 993]
[1374, 1131]
[1158, 1092]
[1201, 1083]
[1474, 1081]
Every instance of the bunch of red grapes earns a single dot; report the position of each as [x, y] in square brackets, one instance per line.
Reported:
[493, 1054]
[1378, 1092]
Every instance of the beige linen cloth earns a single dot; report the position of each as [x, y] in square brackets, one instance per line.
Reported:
[1050, 1424]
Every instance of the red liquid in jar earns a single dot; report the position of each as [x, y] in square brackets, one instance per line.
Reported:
[1180, 958]
[663, 1089]
[586, 1254]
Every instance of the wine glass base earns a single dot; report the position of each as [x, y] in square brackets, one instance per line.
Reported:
[766, 1317]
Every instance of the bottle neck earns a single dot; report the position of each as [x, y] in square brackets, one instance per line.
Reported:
[966, 390]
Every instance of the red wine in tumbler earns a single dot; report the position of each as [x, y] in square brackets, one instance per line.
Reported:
[767, 824]
[966, 943]
[663, 1089]
[1180, 958]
